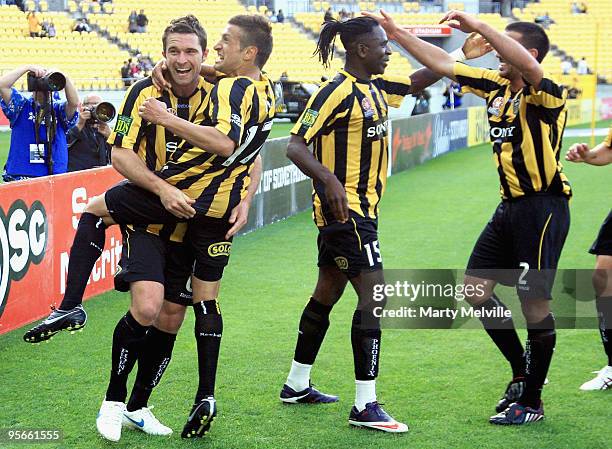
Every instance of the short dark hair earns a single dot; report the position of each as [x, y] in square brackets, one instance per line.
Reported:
[349, 32]
[532, 36]
[256, 31]
[186, 25]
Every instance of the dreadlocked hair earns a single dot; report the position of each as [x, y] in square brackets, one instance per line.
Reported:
[349, 32]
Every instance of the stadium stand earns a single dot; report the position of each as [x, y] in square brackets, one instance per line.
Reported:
[576, 34]
[89, 60]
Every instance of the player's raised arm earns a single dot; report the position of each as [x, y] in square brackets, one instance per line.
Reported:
[474, 47]
[507, 48]
[427, 54]
[300, 155]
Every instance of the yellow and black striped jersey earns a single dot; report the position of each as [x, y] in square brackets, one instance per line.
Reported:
[346, 121]
[608, 140]
[153, 143]
[242, 109]
[526, 130]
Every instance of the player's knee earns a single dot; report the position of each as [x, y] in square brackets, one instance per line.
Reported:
[602, 276]
[476, 290]
[535, 310]
[170, 317]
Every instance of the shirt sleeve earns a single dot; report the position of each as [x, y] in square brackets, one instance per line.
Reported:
[478, 81]
[128, 124]
[395, 88]
[14, 106]
[229, 105]
[549, 96]
[324, 107]
[60, 110]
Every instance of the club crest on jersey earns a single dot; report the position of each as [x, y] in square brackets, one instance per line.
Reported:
[342, 262]
[220, 249]
[309, 118]
[368, 111]
[497, 106]
[171, 111]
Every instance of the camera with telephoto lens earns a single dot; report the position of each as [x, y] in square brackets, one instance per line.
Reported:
[52, 81]
[103, 112]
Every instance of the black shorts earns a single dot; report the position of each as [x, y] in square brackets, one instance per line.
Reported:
[351, 246]
[130, 204]
[521, 244]
[148, 257]
[603, 244]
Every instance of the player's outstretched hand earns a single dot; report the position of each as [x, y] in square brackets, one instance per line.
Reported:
[157, 76]
[176, 202]
[385, 21]
[153, 111]
[475, 46]
[461, 21]
[577, 153]
[337, 200]
[238, 218]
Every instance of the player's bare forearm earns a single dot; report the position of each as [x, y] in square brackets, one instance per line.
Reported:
[300, 155]
[422, 79]
[514, 53]
[205, 137]
[255, 176]
[126, 162]
[600, 155]
[432, 57]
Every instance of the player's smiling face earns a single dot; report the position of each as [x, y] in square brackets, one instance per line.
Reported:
[229, 54]
[184, 56]
[377, 51]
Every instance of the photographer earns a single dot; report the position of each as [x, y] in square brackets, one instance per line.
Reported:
[31, 138]
[87, 147]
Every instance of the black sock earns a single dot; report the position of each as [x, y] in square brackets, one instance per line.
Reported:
[539, 349]
[127, 341]
[502, 332]
[152, 362]
[313, 326]
[208, 331]
[604, 312]
[366, 348]
[86, 248]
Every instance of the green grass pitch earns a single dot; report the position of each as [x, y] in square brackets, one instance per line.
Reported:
[443, 383]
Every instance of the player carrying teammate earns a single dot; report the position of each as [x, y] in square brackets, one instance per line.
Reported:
[602, 276]
[526, 234]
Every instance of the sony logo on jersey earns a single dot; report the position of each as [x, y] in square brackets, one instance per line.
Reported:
[379, 130]
[502, 133]
[171, 146]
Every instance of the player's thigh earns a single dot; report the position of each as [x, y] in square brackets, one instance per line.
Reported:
[364, 284]
[477, 290]
[540, 225]
[330, 285]
[491, 257]
[129, 204]
[352, 247]
[97, 207]
[206, 236]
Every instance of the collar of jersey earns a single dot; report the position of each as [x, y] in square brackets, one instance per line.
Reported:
[353, 78]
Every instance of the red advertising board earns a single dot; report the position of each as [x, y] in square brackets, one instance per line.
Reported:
[430, 30]
[38, 220]
[3, 120]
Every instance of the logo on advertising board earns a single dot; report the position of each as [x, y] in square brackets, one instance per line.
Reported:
[23, 240]
[406, 142]
[450, 131]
